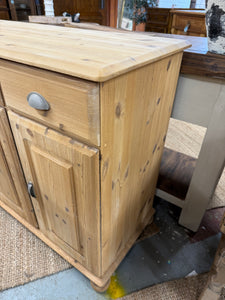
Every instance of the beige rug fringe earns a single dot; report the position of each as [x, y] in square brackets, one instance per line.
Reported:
[24, 257]
[182, 289]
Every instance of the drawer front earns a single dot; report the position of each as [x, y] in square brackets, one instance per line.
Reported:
[197, 24]
[74, 103]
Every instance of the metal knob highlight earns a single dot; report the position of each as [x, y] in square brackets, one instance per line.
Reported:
[37, 101]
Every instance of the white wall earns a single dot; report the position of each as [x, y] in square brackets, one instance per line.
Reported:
[175, 3]
[200, 4]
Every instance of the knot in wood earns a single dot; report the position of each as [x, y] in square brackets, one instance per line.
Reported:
[118, 110]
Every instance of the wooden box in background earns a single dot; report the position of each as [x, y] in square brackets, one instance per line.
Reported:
[188, 22]
[158, 20]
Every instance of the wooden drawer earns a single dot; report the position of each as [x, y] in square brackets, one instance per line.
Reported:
[197, 25]
[194, 20]
[74, 103]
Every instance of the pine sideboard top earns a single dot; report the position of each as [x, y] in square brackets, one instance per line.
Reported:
[88, 54]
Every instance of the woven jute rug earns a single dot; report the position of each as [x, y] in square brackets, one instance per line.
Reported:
[183, 289]
[24, 258]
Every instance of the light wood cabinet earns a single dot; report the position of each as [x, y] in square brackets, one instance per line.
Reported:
[12, 184]
[91, 159]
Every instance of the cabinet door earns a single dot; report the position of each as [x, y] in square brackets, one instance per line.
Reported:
[13, 191]
[65, 177]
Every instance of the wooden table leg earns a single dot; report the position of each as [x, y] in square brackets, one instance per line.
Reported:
[208, 169]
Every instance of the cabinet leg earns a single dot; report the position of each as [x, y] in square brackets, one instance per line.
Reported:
[100, 289]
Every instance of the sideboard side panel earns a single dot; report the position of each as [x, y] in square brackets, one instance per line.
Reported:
[135, 111]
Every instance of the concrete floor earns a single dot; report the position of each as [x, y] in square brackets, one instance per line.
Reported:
[166, 256]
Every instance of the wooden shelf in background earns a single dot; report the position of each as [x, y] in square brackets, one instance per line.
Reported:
[203, 64]
[175, 173]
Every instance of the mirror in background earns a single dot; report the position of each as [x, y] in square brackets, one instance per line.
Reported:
[125, 14]
[132, 14]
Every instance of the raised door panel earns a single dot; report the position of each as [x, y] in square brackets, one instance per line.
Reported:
[56, 185]
[65, 177]
[13, 190]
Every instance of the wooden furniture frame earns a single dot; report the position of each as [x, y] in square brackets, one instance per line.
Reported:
[184, 107]
[91, 158]
[211, 160]
[200, 100]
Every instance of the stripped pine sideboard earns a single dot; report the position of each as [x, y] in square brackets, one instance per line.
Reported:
[86, 114]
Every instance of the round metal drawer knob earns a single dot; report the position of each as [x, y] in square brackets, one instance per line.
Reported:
[37, 101]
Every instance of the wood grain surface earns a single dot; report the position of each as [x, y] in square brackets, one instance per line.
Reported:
[65, 176]
[195, 22]
[189, 12]
[176, 170]
[135, 114]
[91, 204]
[13, 188]
[96, 56]
[74, 103]
[196, 59]
[203, 64]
